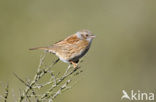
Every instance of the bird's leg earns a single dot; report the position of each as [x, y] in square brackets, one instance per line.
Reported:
[74, 64]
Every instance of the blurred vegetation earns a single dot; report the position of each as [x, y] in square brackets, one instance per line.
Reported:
[123, 55]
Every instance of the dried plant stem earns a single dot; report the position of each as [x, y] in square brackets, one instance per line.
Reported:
[58, 84]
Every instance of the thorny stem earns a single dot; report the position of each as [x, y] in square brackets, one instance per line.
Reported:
[65, 75]
[49, 95]
[38, 75]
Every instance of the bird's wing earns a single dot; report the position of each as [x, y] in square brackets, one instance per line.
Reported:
[73, 39]
[70, 46]
[65, 45]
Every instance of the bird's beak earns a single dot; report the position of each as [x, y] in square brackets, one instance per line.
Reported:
[92, 36]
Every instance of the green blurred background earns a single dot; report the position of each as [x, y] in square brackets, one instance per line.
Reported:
[122, 56]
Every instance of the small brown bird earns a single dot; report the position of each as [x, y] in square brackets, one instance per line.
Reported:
[72, 48]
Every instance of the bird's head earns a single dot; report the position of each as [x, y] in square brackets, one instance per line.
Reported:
[85, 34]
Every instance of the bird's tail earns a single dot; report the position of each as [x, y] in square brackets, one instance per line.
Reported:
[39, 48]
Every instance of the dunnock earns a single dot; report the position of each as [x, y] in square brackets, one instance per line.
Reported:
[72, 48]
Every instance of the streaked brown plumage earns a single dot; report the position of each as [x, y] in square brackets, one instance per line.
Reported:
[72, 48]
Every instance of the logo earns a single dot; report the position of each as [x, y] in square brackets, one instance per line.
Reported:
[137, 95]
